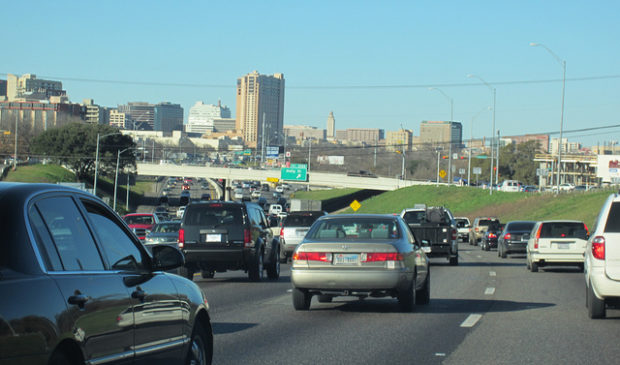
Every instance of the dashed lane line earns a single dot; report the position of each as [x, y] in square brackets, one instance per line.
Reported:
[492, 273]
[471, 320]
[489, 291]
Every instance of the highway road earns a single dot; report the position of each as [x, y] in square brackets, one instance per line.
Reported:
[487, 310]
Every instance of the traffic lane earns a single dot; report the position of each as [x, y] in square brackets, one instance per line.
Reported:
[260, 319]
[554, 328]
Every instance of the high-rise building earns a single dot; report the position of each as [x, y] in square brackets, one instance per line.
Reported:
[331, 126]
[28, 87]
[138, 115]
[93, 113]
[260, 108]
[365, 135]
[399, 140]
[303, 132]
[441, 133]
[201, 117]
[118, 119]
[168, 117]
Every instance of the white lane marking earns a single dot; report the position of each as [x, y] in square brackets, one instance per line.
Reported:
[440, 354]
[479, 256]
[471, 320]
[489, 291]
[289, 291]
[492, 273]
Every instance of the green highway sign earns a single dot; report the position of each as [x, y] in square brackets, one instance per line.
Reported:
[482, 156]
[299, 166]
[294, 173]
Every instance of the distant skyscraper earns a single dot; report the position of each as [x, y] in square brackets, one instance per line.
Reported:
[331, 126]
[260, 104]
[441, 132]
[139, 115]
[28, 87]
[168, 117]
[201, 117]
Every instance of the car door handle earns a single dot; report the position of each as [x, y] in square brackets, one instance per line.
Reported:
[138, 294]
[78, 299]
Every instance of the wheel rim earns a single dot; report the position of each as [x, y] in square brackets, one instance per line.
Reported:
[197, 352]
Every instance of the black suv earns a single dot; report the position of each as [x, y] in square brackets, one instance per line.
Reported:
[221, 236]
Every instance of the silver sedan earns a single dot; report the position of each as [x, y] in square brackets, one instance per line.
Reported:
[360, 255]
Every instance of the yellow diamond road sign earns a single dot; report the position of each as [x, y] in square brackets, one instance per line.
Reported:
[355, 205]
[442, 173]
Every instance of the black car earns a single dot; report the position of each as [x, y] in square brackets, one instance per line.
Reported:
[489, 238]
[222, 236]
[514, 238]
[79, 287]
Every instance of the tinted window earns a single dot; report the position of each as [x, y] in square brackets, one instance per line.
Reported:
[353, 228]
[167, 227]
[71, 237]
[213, 215]
[613, 220]
[299, 220]
[460, 223]
[522, 226]
[139, 219]
[44, 241]
[488, 222]
[563, 230]
[415, 217]
[120, 250]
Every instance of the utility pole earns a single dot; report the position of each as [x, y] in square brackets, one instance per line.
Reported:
[262, 141]
[15, 156]
[497, 164]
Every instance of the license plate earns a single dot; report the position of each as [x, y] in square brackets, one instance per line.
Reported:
[210, 237]
[301, 233]
[346, 259]
[426, 249]
[563, 246]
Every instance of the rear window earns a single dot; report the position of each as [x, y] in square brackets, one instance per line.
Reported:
[212, 216]
[355, 228]
[563, 230]
[460, 223]
[299, 220]
[524, 227]
[613, 220]
[415, 217]
[488, 222]
[139, 219]
[167, 227]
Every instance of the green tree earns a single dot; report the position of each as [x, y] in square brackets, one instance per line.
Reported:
[516, 162]
[75, 145]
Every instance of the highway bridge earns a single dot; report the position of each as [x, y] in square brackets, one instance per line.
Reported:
[315, 178]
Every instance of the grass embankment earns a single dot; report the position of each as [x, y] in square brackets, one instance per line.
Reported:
[323, 194]
[474, 202]
[40, 174]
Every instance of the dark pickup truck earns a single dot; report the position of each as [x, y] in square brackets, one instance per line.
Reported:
[436, 228]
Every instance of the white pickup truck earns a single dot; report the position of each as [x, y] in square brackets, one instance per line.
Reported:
[463, 226]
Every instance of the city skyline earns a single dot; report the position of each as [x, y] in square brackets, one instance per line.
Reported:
[334, 61]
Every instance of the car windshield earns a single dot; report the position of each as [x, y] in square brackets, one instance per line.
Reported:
[355, 228]
[563, 230]
[415, 216]
[213, 216]
[461, 223]
[167, 227]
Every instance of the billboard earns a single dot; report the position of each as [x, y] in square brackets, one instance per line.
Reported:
[608, 168]
[330, 160]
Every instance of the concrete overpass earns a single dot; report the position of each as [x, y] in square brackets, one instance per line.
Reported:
[315, 178]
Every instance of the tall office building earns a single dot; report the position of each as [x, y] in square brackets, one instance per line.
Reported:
[260, 109]
[331, 126]
[139, 115]
[441, 133]
[28, 87]
[168, 117]
[201, 117]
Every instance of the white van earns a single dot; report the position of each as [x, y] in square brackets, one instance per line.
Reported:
[510, 186]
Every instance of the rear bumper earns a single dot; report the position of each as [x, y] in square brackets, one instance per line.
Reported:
[516, 247]
[218, 256]
[603, 286]
[326, 279]
[557, 258]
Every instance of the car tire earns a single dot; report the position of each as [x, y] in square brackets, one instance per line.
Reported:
[200, 347]
[423, 296]
[325, 298]
[256, 271]
[282, 256]
[407, 298]
[504, 254]
[186, 272]
[60, 358]
[207, 274]
[596, 307]
[454, 261]
[534, 266]
[273, 269]
[301, 299]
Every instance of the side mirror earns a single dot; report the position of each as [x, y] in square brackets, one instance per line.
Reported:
[167, 257]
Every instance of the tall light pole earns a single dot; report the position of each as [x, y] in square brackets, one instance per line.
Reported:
[451, 120]
[97, 159]
[471, 138]
[563, 64]
[118, 157]
[492, 131]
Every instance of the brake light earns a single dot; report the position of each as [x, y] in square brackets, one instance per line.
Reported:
[312, 256]
[454, 232]
[181, 240]
[215, 205]
[598, 247]
[492, 235]
[282, 232]
[537, 236]
[383, 256]
[247, 238]
[586, 228]
[476, 229]
[507, 236]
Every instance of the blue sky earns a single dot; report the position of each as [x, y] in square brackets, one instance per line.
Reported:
[371, 63]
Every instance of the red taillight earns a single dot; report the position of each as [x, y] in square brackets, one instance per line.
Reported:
[247, 238]
[537, 236]
[181, 240]
[313, 256]
[282, 232]
[492, 235]
[454, 233]
[507, 236]
[598, 247]
[383, 256]
[476, 229]
[586, 228]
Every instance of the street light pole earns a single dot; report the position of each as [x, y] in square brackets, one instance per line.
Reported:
[97, 160]
[471, 139]
[492, 131]
[563, 64]
[450, 136]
